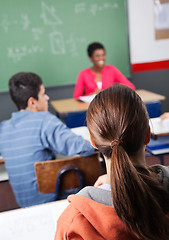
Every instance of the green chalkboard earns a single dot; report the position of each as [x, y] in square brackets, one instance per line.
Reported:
[50, 37]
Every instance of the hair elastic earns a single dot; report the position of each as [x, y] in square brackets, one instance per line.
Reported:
[114, 143]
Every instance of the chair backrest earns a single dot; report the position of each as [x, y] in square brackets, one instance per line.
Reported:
[62, 194]
[47, 172]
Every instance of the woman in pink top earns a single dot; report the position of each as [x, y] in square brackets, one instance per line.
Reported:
[99, 76]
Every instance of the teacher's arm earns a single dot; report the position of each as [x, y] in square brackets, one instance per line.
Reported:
[165, 116]
[120, 78]
[79, 87]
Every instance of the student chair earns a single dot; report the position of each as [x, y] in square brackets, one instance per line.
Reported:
[62, 175]
[62, 194]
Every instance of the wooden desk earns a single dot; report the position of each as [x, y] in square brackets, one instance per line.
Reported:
[69, 105]
[72, 105]
[159, 147]
[148, 96]
[73, 112]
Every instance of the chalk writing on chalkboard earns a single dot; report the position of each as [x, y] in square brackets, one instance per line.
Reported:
[23, 21]
[49, 15]
[72, 42]
[56, 37]
[36, 32]
[5, 23]
[80, 7]
[94, 8]
[57, 43]
[17, 53]
[51, 22]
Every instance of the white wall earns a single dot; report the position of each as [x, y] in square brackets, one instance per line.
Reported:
[143, 46]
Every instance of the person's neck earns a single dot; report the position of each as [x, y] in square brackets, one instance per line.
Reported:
[29, 109]
[96, 69]
[139, 157]
[136, 159]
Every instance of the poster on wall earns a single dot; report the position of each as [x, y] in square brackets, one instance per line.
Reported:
[161, 10]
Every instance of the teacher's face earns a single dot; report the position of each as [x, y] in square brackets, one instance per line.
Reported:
[98, 58]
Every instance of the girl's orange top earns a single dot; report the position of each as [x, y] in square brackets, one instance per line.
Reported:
[89, 220]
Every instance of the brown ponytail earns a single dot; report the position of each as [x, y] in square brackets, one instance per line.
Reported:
[118, 122]
[133, 199]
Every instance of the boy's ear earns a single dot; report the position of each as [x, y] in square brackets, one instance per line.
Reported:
[147, 137]
[31, 103]
[93, 144]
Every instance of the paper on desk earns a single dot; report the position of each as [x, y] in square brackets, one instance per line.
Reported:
[82, 131]
[32, 223]
[158, 126]
[87, 99]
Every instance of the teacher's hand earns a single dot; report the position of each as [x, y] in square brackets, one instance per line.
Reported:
[164, 115]
[95, 92]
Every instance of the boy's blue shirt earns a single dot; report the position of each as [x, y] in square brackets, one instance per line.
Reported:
[30, 137]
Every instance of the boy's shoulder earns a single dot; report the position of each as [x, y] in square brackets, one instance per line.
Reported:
[41, 116]
[22, 116]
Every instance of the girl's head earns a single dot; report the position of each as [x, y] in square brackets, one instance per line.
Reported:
[118, 116]
[97, 54]
[119, 127]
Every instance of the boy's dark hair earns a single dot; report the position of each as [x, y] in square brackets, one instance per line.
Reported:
[22, 86]
[93, 46]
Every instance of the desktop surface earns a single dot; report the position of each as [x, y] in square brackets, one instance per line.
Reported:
[36, 222]
[72, 105]
[159, 146]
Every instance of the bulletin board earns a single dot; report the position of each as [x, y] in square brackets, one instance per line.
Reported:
[161, 10]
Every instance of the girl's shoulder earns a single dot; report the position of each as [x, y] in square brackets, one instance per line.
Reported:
[163, 174]
[99, 195]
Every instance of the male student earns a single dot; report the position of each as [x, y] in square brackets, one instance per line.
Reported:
[31, 135]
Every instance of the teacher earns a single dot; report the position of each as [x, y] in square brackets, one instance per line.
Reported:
[100, 76]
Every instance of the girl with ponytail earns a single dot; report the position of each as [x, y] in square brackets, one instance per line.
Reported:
[134, 202]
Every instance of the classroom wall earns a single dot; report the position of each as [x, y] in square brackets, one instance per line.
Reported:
[144, 49]
[149, 57]
[155, 81]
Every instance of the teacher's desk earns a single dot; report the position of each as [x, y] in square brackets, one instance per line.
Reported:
[73, 112]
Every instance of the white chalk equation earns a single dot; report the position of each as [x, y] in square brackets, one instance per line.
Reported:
[36, 32]
[56, 38]
[72, 43]
[23, 21]
[57, 43]
[17, 53]
[94, 9]
[80, 7]
[49, 15]
[48, 32]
